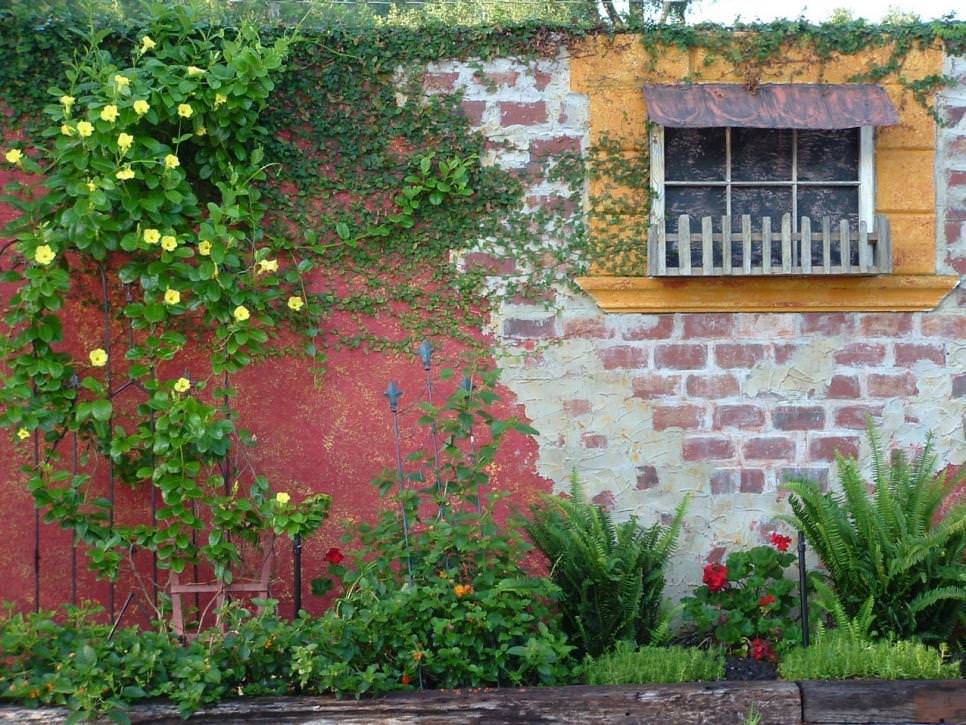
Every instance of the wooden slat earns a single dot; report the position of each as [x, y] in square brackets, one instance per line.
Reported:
[726, 244]
[826, 245]
[766, 245]
[806, 245]
[746, 243]
[884, 242]
[845, 246]
[652, 249]
[787, 243]
[684, 244]
[883, 701]
[661, 248]
[865, 249]
[707, 246]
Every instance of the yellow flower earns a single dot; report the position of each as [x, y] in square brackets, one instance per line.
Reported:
[268, 265]
[152, 236]
[84, 129]
[91, 186]
[204, 247]
[23, 434]
[67, 101]
[220, 98]
[14, 156]
[241, 313]
[169, 243]
[44, 254]
[123, 174]
[201, 131]
[98, 357]
[194, 70]
[147, 44]
[124, 141]
[67, 129]
[182, 385]
[184, 110]
[109, 113]
[141, 107]
[282, 497]
[172, 296]
[122, 81]
[295, 303]
[171, 162]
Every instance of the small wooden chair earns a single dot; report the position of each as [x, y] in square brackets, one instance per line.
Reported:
[259, 587]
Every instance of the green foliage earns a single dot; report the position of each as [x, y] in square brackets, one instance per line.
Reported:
[890, 545]
[747, 606]
[436, 594]
[628, 666]
[611, 575]
[152, 160]
[838, 655]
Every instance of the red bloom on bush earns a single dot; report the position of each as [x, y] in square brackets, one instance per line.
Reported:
[761, 649]
[715, 577]
[780, 542]
[405, 679]
[334, 556]
[766, 600]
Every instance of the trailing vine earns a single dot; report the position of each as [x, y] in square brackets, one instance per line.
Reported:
[272, 186]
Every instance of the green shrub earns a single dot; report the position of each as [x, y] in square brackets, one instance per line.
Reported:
[838, 656]
[891, 545]
[628, 666]
[611, 575]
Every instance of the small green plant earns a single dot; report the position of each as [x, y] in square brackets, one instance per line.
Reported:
[746, 605]
[628, 666]
[611, 575]
[891, 545]
[754, 715]
[838, 655]
[434, 593]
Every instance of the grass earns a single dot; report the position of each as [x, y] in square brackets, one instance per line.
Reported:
[628, 666]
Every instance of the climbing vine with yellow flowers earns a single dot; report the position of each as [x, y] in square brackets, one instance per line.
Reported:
[150, 218]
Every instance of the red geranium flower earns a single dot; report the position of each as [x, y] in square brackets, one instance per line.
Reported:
[715, 577]
[761, 649]
[334, 556]
[780, 542]
[766, 600]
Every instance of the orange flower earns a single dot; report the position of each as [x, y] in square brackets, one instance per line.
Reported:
[461, 590]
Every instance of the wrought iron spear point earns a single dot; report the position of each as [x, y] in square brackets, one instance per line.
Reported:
[393, 394]
[426, 353]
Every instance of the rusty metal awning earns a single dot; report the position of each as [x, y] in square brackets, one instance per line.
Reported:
[777, 105]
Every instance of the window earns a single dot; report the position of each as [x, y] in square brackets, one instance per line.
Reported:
[759, 198]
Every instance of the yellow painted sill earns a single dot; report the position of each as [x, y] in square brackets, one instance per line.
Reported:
[885, 293]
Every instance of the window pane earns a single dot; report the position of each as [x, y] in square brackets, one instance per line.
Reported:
[696, 202]
[828, 155]
[833, 201]
[761, 154]
[759, 202]
[694, 154]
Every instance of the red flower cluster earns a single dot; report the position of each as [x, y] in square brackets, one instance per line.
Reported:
[780, 542]
[761, 649]
[766, 600]
[334, 556]
[715, 577]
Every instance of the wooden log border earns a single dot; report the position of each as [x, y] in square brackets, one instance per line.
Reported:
[847, 702]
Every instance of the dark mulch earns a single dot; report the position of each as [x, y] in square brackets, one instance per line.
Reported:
[745, 668]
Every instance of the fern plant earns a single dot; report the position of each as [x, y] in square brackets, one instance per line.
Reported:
[888, 543]
[611, 575]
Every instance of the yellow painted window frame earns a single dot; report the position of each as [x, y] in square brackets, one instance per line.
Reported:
[611, 72]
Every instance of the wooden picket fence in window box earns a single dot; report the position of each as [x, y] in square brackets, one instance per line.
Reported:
[810, 250]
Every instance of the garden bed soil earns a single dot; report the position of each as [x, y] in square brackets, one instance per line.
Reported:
[745, 669]
[851, 702]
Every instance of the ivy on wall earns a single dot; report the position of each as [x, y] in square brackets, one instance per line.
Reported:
[334, 189]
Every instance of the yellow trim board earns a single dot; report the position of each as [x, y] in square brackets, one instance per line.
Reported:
[886, 293]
